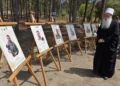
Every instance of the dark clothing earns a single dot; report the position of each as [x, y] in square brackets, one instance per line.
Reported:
[12, 48]
[105, 56]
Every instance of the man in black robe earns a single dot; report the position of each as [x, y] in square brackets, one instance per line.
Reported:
[106, 46]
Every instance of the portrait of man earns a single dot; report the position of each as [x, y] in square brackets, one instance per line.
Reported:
[57, 34]
[39, 36]
[12, 48]
[72, 32]
[88, 30]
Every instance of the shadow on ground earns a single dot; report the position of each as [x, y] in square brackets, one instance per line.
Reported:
[82, 72]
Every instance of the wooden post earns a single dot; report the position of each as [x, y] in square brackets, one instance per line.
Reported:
[32, 52]
[0, 54]
[33, 73]
[43, 71]
[58, 57]
[70, 58]
[70, 47]
[54, 60]
[14, 74]
[79, 47]
[85, 46]
[15, 80]
[93, 42]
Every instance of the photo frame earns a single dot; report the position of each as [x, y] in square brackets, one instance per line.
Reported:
[88, 32]
[71, 32]
[57, 34]
[11, 48]
[40, 38]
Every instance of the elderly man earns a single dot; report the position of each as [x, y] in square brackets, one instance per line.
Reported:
[106, 46]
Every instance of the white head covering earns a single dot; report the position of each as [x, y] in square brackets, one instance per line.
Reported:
[110, 11]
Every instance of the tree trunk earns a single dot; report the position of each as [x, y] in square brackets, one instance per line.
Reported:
[50, 6]
[86, 6]
[15, 7]
[70, 10]
[92, 11]
[102, 9]
[74, 11]
[1, 9]
[37, 11]
[54, 9]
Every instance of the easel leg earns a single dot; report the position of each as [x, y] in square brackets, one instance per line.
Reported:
[93, 40]
[80, 48]
[59, 58]
[47, 56]
[54, 60]
[43, 72]
[15, 80]
[67, 52]
[32, 52]
[0, 54]
[85, 46]
[30, 70]
[70, 47]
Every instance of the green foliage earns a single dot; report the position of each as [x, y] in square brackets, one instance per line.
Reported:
[82, 10]
[114, 4]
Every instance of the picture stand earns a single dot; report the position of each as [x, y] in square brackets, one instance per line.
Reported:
[61, 44]
[13, 76]
[88, 36]
[15, 73]
[5, 24]
[89, 40]
[72, 36]
[75, 41]
[47, 52]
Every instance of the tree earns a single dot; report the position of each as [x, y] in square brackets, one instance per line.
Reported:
[86, 6]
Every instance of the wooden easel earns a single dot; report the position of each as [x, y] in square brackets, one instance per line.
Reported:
[90, 38]
[4, 24]
[48, 52]
[75, 41]
[15, 73]
[32, 17]
[63, 45]
[26, 62]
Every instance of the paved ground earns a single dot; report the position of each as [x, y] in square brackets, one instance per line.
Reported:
[75, 73]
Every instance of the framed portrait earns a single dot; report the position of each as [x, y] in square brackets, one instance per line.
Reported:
[88, 31]
[40, 38]
[57, 34]
[94, 28]
[11, 48]
[71, 32]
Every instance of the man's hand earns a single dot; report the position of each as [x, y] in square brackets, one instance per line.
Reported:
[101, 41]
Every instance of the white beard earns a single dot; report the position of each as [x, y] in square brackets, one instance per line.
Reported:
[106, 23]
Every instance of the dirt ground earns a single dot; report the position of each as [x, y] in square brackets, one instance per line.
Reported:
[75, 73]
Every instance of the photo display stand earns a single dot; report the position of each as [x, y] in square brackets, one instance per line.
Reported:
[43, 48]
[94, 29]
[59, 42]
[88, 36]
[72, 37]
[13, 53]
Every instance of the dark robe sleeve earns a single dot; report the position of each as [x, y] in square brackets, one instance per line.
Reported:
[114, 34]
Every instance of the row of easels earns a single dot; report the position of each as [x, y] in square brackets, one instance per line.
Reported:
[59, 47]
[28, 61]
[14, 74]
